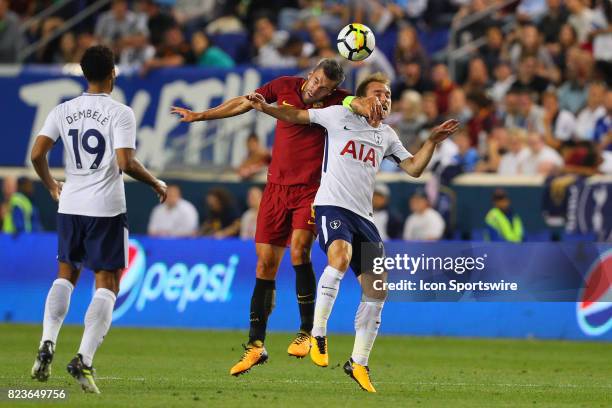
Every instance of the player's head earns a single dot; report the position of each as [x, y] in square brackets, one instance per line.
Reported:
[501, 199]
[419, 201]
[25, 186]
[98, 64]
[377, 85]
[173, 195]
[322, 80]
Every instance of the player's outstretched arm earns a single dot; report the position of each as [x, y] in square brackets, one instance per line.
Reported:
[42, 146]
[130, 165]
[284, 113]
[416, 164]
[369, 107]
[231, 107]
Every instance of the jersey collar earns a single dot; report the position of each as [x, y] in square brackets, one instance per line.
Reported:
[95, 94]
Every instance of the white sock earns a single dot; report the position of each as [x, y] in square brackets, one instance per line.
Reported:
[367, 322]
[97, 322]
[327, 290]
[56, 308]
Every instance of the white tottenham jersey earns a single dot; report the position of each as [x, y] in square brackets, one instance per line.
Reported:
[353, 153]
[92, 126]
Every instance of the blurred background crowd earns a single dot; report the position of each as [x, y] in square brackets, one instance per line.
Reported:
[530, 80]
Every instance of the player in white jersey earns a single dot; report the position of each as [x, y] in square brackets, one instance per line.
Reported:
[354, 149]
[99, 136]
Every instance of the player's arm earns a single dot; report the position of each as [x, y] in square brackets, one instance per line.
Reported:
[130, 165]
[370, 107]
[284, 113]
[42, 146]
[231, 107]
[415, 165]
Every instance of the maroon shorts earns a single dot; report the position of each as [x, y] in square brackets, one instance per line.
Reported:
[283, 209]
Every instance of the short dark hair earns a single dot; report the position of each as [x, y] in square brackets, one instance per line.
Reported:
[375, 77]
[332, 70]
[97, 63]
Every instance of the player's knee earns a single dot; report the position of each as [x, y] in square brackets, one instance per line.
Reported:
[300, 254]
[267, 265]
[339, 258]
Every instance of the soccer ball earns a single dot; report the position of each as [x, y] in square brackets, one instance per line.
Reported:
[356, 42]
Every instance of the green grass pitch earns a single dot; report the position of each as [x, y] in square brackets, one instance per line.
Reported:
[183, 368]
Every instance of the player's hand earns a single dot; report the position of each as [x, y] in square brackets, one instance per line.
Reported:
[440, 133]
[369, 107]
[56, 190]
[257, 101]
[185, 114]
[160, 189]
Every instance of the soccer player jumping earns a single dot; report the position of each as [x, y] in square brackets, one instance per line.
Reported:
[99, 136]
[285, 215]
[354, 149]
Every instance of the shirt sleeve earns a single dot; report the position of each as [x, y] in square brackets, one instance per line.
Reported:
[124, 132]
[270, 89]
[396, 150]
[327, 116]
[50, 128]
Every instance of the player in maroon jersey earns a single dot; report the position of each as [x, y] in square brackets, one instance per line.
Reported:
[285, 214]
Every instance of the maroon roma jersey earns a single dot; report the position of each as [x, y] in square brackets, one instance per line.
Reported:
[297, 152]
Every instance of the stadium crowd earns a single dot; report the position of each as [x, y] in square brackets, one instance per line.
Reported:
[533, 87]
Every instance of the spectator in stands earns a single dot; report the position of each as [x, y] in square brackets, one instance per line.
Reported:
[424, 223]
[21, 215]
[497, 145]
[477, 29]
[248, 221]
[511, 161]
[443, 85]
[583, 19]
[551, 23]
[11, 38]
[527, 76]
[531, 10]
[207, 55]
[467, 156]
[176, 217]
[173, 52]
[46, 30]
[193, 15]
[409, 49]
[222, 219]
[268, 42]
[491, 52]
[521, 112]
[126, 33]
[410, 76]
[573, 92]
[388, 222]
[559, 124]
[477, 77]
[68, 52]
[257, 160]
[322, 44]
[503, 81]
[602, 45]
[158, 22]
[9, 187]
[410, 120]
[566, 41]
[603, 127]
[483, 118]
[432, 114]
[530, 44]
[542, 159]
[502, 223]
[457, 106]
[592, 112]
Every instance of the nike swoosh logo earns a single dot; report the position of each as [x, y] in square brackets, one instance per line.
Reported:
[302, 297]
[345, 128]
[311, 223]
[287, 104]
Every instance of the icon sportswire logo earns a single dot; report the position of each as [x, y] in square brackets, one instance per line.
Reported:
[594, 309]
[178, 283]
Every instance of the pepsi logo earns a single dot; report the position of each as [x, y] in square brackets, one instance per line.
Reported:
[131, 279]
[594, 309]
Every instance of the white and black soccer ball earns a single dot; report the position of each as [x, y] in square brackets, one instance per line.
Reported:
[356, 42]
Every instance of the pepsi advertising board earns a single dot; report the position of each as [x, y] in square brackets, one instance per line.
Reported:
[207, 283]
